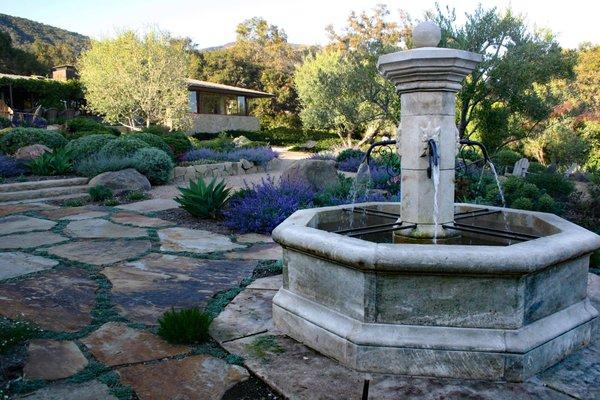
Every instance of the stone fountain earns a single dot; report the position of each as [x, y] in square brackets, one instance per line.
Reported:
[428, 287]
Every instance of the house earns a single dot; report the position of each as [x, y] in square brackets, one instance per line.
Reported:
[216, 107]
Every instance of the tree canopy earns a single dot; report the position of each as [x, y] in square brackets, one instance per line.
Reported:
[261, 59]
[137, 81]
[340, 87]
[505, 98]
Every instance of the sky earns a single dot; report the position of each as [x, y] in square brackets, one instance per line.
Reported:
[212, 22]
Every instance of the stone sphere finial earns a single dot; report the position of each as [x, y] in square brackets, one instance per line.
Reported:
[426, 34]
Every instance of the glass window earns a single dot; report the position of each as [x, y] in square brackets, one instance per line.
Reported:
[241, 100]
[231, 105]
[192, 102]
[211, 104]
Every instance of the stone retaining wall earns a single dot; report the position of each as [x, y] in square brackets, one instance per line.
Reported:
[186, 173]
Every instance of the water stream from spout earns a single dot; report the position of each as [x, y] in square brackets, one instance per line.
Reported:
[435, 177]
[360, 186]
[498, 184]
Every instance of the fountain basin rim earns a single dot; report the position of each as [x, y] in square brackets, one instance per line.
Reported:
[570, 242]
[516, 341]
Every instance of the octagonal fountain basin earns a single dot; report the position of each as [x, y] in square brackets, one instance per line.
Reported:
[481, 306]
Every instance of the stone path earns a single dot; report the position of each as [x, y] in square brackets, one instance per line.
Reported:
[97, 279]
[245, 328]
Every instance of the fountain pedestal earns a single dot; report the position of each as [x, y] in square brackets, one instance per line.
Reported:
[427, 79]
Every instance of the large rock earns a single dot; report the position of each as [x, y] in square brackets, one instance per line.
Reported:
[319, 174]
[125, 180]
[32, 151]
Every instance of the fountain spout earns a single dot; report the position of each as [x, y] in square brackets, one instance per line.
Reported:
[434, 156]
[469, 142]
[367, 158]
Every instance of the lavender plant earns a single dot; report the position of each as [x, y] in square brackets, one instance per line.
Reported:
[262, 207]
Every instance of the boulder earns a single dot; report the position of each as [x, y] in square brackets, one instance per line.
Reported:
[319, 174]
[126, 180]
[32, 151]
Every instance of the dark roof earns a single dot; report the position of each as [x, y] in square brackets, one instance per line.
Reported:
[225, 89]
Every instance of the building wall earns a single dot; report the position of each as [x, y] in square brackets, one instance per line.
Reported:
[212, 123]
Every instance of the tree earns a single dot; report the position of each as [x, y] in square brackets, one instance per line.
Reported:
[17, 61]
[137, 81]
[260, 59]
[51, 55]
[340, 88]
[504, 99]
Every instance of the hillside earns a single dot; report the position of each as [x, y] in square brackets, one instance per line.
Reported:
[24, 32]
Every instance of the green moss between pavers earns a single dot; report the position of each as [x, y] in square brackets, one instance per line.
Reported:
[263, 345]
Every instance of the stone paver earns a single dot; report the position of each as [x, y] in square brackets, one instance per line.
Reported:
[266, 251]
[52, 359]
[90, 390]
[115, 343]
[74, 213]
[16, 263]
[139, 220]
[194, 241]
[8, 209]
[144, 289]
[85, 215]
[198, 377]
[56, 300]
[23, 223]
[102, 229]
[254, 238]
[301, 373]
[269, 283]
[152, 205]
[101, 252]
[248, 314]
[30, 240]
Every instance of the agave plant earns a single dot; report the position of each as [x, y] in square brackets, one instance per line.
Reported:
[202, 200]
[55, 163]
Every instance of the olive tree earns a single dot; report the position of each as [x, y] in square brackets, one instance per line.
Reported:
[137, 80]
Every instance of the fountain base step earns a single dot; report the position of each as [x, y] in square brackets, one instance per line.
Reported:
[471, 353]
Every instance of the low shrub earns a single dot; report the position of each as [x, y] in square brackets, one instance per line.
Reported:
[221, 143]
[177, 141]
[55, 163]
[283, 136]
[82, 126]
[257, 155]
[506, 158]
[555, 184]
[263, 206]
[350, 153]
[88, 145]
[5, 123]
[98, 164]
[122, 147]
[202, 200]
[187, 326]
[350, 164]
[13, 333]
[522, 203]
[112, 202]
[16, 138]
[136, 195]
[154, 163]
[100, 193]
[536, 168]
[153, 141]
[10, 167]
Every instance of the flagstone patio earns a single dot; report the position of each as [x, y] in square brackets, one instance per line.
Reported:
[96, 280]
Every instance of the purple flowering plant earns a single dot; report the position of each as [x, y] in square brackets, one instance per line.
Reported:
[10, 167]
[256, 155]
[263, 206]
